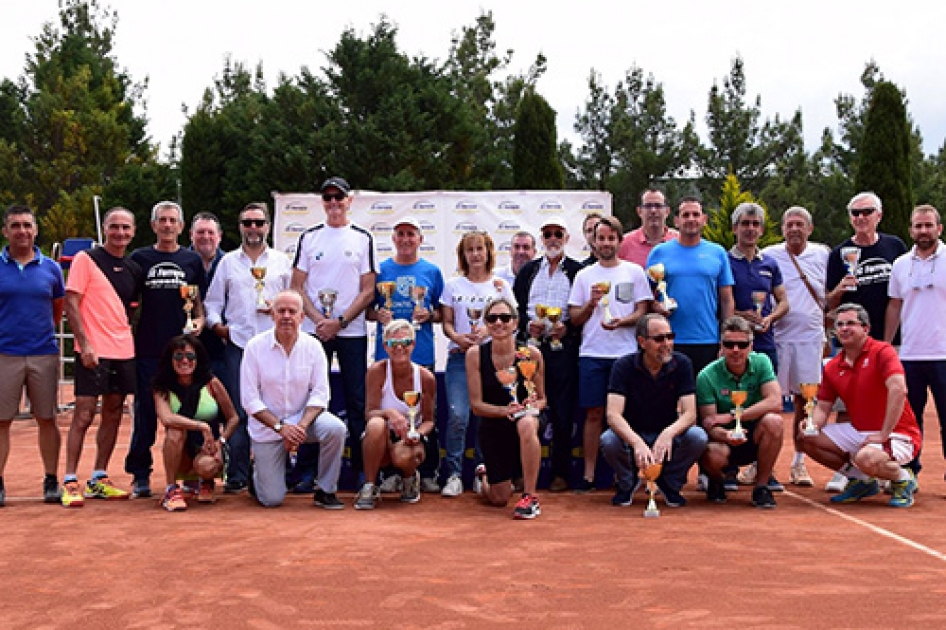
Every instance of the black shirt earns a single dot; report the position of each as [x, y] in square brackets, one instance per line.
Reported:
[650, 402]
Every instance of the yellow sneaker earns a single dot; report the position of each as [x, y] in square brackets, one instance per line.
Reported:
[72, 495]
[102, 488]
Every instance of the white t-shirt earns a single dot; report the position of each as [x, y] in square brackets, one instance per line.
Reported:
[921, 284]
[459, 293]
[804, 322]
[629, 286]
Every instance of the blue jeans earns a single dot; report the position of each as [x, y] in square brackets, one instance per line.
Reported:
[921, 375]
[687, 448]
[459, 417]
[145, 424]
[239, 466]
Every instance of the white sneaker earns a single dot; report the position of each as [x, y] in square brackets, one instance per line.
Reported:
[747, 475]
[478, 478]
[837, 484]
[366, 498]
[411, 492]
[702, 483]
[453, 487]
[429, 485]
[392, 484]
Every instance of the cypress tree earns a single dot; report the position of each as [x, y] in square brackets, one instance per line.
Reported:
[535, 161]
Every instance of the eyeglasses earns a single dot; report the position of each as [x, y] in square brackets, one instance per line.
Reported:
[394, 343]
[846, 323]
[326, 197]
[252, 222]
[862, 212]
[654, 206]
[663, 337]
[180, 356]
[732, 345]
[492, 318]
[553, 233]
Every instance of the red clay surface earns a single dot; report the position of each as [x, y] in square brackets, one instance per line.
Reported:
[454, 563]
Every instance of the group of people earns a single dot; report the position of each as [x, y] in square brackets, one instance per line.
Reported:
[676, 351]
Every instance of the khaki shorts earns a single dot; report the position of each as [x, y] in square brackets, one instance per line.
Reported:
[40, 375]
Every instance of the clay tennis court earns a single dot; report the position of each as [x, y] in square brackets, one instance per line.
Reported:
[454, 563]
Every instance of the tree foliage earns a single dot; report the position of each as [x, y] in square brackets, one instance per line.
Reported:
[535, 163]
[718, 228]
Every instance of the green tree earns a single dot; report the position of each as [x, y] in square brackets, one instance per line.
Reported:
[718, 228]
[535, 162]
[884, 164]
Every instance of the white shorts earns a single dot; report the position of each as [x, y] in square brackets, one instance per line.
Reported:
[900, 447]
[798, 363]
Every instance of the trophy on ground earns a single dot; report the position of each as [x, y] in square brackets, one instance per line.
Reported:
[605, 287]
[808, 392]
[650, 475]
[554, 315]
[418, 295]
[412, 400]
[850, 256]
[189, 293]
[473, 315]
[540, 314]
[738, 397]
[327, 299]
[527, 367]
[758, 301]
[259, 274]
[658, 273]
[386, 289]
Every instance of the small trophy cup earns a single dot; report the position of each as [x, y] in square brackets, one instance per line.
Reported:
[658, 274]
[386, 289]
[758, 301]
[605, 287]
[327, 299]
[259, 274]
[419, 297]
[738, 398]
[527, 368]
[412, 400]
[808, 392]
[474, 315]
[508, 378]
[540, 314]
[554, 315]
[189, 293]
[850, 256]
[650, 474]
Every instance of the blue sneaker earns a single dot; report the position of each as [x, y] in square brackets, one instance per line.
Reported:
[672, 497]
[857, 489]
[903, 492]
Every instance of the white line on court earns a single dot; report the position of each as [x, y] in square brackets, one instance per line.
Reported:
[874, 528]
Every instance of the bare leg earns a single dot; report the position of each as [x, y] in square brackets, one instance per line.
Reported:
[50, 443]
[108, 429]
[591, 439]
[4, 443]
[824, 451]
[768, 435]
[374, 445]
[82, 416]
[173, 452]
[530, 452]
[799, 404]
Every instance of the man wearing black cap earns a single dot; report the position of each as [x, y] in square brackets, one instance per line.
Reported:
[548, 281]
[334, 270]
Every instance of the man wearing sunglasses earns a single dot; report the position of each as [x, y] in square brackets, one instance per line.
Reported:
[548, 281]
[653, 212]
[917, 303]
[652, 415]
[338, 255]
[739, 369]
[235, 314]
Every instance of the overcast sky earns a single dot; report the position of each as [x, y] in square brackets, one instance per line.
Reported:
[798, 54]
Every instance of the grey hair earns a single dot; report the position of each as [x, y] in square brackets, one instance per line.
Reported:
[861, 312]
[869, 195]
[163, 205]
[747, 209]
[736, 324]
[643, 324]
[797, 211]
[395, 325]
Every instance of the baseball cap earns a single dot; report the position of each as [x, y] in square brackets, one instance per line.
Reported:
[411, 221]
[336, 182]
[557, 221]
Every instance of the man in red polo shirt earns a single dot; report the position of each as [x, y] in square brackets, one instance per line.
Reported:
[883, 434]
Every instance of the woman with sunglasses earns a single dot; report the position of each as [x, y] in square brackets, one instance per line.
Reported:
[392, 387]
[191, 402]
[509, 429]
[463, 300]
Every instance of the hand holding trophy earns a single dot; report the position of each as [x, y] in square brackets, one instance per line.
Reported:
[418, 296]
[658, 273]
[808, 392]
[189, 293]
[509, 379]
[541, 313]
[327, 299]
[527, 367]
[259, 274]
[605, 287]
[474, 315]
[412, 400]
[738, 398]
[758, 302]
[850, 256]
[650, 475]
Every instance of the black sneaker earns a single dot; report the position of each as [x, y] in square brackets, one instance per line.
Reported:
[51, 490]
[141, 488]
[730, 480]
[762, 498]
[622, 498]
[716, 491]
[672, 497]
[234, 487]
[775, 485]
[3, 497]
[327, 500]
[584, 486]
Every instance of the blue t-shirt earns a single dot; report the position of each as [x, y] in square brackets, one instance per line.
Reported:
[759, 274]
[26, 305]
[421, 274]
[694, 276]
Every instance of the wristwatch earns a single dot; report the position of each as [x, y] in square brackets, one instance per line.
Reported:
[342, 321]
[278, 426]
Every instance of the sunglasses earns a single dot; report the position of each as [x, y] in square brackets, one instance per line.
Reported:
[180, 356]
[553, 233]
[492, 318]
[336, 197]
[663, 337]
[252, 222]
[394, 343]
[732, 345]
[862, 212]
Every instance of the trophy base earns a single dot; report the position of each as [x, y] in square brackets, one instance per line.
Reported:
[189, 330]
[413, 435]
[813, 431]
[739, 436]
[651, 513]
[556, 346]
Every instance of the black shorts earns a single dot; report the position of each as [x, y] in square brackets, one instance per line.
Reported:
[194, 441]
[111, 376]
[745, 454]
[499, 441]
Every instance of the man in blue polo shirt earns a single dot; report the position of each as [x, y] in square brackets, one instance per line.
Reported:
[32, 295]
[651, 414]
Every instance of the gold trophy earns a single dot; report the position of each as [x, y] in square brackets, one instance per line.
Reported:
[412, 400]
[650, 474]
[259, 274]
[554, 315]
[758, 301]
[327, 299]
[850, 256]
[419, 296]
[808, 392]
[738, 398]
[658, 273]
[527, 368]
[189, 293]
[605, 287]
[386, 289]
[474, 315]
[540, 314]
[508, 379]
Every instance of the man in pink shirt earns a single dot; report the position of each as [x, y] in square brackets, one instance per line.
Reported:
[653, 212]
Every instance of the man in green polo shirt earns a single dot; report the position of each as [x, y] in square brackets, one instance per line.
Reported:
[740, 370]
